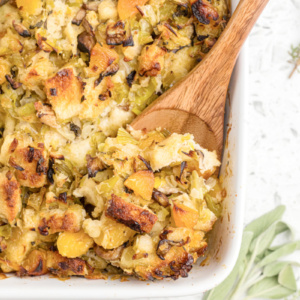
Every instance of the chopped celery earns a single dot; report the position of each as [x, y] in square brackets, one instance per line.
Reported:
[97, 139]
[35, 200]
[216, 208]
[106, 187]
[26, 110]
[145, 38]
[124, 137]
[120, 92]
[198, 188]
[143, 96]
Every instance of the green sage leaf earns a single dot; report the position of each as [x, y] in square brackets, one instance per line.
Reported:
[261, 224]
[269, 288]
[264, 240]
[222, 290]
[287, 279]
[282, 227]
[274, 268]
[283, 250]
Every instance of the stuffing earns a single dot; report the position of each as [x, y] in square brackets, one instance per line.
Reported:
[64, 92]
[57, 220]
[10, 196]
[151, 61]
[82, 193]
[133, 216]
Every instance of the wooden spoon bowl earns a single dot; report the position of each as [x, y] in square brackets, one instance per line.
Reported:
[196, 104]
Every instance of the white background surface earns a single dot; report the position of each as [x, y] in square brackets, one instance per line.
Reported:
[273, 117]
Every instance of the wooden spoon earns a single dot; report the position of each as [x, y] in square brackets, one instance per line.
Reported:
[196, 104]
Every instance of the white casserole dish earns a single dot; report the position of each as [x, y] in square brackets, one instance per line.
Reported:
[224, 241]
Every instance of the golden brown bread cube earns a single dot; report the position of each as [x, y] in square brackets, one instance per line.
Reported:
[18, 246]
[10, 196]
[131, 215]
[151, 61]
[40, 68]
[101, 59]
[35, 264]
[64, 91]
[57, 220]
[96, 99]
[46, 114]
[30, 164]
[64, 267]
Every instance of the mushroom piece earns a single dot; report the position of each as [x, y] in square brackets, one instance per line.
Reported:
[110, 255]
[79, 17]
[111, 70]
[86, 42]
[94, 165]
[204, 11]
[116, 33]
[13, 84]
[165, 245]
[2, 2]
[160, 198]
[130, 78]
[21, 29]
[88, 27]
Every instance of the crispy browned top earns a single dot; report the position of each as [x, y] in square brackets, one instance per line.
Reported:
[10, 196]
[131, 215]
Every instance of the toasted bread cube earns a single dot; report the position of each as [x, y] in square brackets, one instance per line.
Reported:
[184, 216]
[96, 99]
[32, 7]
[46, 114]
[107, 10]
[31, 164]
[131, 215]
[74, 244]
[64, 267]
[38, 71]
[151, 61]
[64, 91]
[35, 263]
[111, 233]
[57, 220]
[207, 220]
[142, 183]
[127, 8]
[19, 244]
[10, 196]
[101, 59]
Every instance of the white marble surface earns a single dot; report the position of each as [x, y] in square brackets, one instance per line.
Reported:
[273, 117]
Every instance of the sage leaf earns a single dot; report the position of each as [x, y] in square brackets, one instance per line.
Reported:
[265, 221]
[274, 268]
[222, 290]
[264, 240]
[287, 279]
[269, 287]
[282, 227]
[279, 252]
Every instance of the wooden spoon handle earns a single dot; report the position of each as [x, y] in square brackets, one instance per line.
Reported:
[209, 80]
